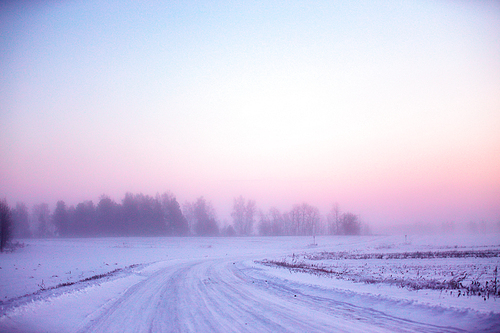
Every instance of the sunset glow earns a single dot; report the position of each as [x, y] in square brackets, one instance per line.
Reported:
[392, 111]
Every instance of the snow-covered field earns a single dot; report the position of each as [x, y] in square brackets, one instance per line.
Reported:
[271, 284]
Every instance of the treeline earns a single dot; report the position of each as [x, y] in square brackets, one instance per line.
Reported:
[136, 215]
[302, 220]
[162, 215]
[305, 219]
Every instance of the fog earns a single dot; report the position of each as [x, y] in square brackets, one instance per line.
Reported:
[162, 215]
[391, 112]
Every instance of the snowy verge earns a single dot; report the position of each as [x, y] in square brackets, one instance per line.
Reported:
[52, 312]
[69, 308]
[437, 308]
[463, 280]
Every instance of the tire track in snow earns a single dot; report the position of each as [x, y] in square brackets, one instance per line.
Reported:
[223, 296]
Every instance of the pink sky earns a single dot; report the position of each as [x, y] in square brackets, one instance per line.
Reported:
[393, 112]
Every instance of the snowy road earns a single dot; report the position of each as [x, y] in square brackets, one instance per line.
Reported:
[215, 285]
[225, 296]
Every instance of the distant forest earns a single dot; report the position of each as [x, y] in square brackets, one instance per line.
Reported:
[162, 215]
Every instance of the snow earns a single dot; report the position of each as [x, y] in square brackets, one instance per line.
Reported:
[220, 284]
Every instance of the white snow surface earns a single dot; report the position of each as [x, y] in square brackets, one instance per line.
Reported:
[220, 285]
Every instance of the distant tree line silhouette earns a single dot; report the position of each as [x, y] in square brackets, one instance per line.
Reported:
[305, 219]
[161, 215]
[136, 215]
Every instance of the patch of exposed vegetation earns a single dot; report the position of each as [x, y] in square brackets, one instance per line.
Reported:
[471, 278]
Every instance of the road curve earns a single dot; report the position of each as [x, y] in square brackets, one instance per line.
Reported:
[226, 296]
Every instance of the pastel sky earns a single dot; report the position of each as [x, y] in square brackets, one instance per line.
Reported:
[391, 109]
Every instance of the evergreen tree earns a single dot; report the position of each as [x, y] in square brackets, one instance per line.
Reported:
[177, 224]
[5, 225]
[60, 218]
[206, 224]
[107, 212]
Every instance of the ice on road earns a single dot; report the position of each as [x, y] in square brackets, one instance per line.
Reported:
[227, 296]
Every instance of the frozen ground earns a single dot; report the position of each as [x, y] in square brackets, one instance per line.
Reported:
[235, 285]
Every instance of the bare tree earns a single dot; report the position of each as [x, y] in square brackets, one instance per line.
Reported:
[250, 211]
[334, 227]
[312, 220]
[206, 222]
[41, 218]
[287, 224]
[277, 222]
[265, 227]
[295, 220]
[305, 220]
[238, 215]
[243, 215]
[5, 224]
[20, 221]
[188, 212]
